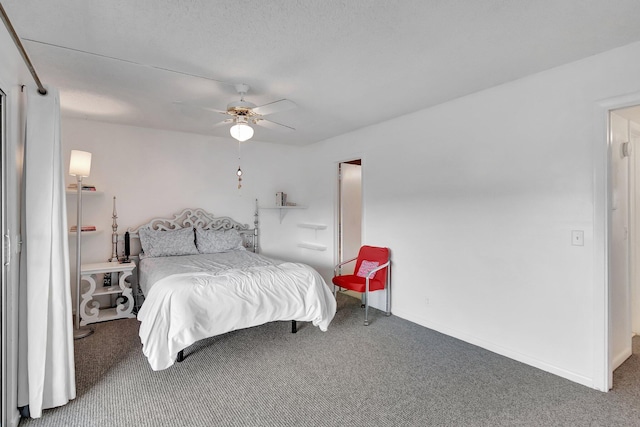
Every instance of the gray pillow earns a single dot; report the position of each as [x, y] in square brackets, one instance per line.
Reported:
[215, 241]
[157, 243]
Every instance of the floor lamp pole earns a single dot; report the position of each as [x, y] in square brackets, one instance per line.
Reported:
[79, 332]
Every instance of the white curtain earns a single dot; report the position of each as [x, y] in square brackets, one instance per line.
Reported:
[46, 373]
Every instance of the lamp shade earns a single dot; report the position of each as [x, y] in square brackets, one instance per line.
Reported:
[80, 164]
[241, 131]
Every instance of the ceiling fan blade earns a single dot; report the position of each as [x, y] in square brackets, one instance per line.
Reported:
[192, 109]
[213, 110]
[275, 107]
[224, 122]
[273, 125]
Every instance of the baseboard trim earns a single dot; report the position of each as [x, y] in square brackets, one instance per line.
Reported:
[621, 357]
[495, 348]
[15, 419]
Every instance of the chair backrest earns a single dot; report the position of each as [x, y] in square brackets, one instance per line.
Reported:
[375, 254]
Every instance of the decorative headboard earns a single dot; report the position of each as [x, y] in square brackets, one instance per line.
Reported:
[200, 218]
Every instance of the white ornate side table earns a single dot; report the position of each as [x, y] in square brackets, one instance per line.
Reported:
[90, 311]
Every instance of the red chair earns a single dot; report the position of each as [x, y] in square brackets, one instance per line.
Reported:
[372, 273]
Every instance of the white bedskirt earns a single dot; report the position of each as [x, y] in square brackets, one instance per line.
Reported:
[184, 308]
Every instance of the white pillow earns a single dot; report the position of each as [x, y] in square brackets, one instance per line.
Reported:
[215, 241]
[157, 243]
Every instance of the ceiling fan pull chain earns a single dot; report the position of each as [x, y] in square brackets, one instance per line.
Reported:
[239, 172]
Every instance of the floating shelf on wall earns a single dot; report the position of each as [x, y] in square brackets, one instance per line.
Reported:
[312, 246]
[86, 233]
[313, 226]
[84, 192]
[283, 209]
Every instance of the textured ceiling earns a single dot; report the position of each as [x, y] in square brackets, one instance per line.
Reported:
[346, 63]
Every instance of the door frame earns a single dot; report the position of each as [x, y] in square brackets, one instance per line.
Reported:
[634, 231]
[6, 256]
[602, 196]
[337, 236]
[620, 219]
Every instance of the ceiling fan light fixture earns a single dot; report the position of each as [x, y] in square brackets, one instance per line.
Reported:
[241, 131]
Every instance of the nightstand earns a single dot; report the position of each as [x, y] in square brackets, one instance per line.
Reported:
[90, 311]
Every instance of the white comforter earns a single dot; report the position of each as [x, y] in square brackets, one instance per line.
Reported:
[184, 308]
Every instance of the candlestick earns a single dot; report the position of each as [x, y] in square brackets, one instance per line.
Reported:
[127, 250]
[114, 235]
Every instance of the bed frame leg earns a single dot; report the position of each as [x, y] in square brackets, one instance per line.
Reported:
[294, 327]
[180, 357]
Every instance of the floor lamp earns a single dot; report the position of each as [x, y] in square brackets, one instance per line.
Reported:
[79, 166]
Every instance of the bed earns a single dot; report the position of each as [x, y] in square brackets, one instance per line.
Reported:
[202, 276]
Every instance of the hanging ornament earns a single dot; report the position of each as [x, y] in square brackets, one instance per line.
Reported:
[239, 171]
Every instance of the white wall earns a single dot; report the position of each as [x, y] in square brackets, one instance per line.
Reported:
[478, 209]
[477, 199]
[155, 173]
[12, 75]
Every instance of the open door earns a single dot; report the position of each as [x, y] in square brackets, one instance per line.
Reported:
[349, 212]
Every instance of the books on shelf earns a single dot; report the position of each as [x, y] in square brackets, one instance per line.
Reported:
[85, 187]
[281, 200]
[74, 228]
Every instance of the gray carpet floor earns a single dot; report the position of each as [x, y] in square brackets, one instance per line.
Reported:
[391, 373]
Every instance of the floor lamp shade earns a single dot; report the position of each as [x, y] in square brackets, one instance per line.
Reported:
[80, 164]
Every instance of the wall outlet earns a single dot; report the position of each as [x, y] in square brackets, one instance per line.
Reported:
[577, 237]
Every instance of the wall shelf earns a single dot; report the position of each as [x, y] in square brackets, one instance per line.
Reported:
[283, 209]
[84, 192]
[312, 246]
[86, 233]
[313, 226]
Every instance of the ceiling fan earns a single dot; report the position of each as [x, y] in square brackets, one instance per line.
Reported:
[244, 114]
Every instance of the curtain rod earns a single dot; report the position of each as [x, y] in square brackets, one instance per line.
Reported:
[25, 57]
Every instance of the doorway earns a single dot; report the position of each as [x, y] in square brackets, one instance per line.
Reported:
[624, 232]
[349, 211]
[5, 258]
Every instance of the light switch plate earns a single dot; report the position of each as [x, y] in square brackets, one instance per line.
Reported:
[577, 237]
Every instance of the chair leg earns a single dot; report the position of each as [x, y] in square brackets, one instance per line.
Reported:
[388, 313]
[366, 308]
